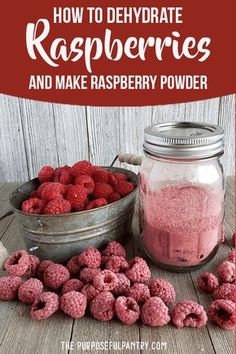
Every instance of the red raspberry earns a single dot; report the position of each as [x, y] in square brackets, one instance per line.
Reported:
[154, 312]
[105, 281]
[62, 175]
[90, 292]
[127, 310]
[124, 188]
[226, 292]
[57, 206]
[112, 180]
[42, 267]
[9, 287]
[87, 274]
[77, 196]
[18, 263]
[102, 307]
[231, 257]
[46, 174]
[81, 168]
[53, 190]
[34, 194]
[30, 291]
[72, 285]
[188, 313]
[139, 292]
[120, 176]
[73, 304]
[33, 265]
[55, 276]
[233, 241]
[40, 189]
[33, 206]
[208, 282]
[162, 288]
[114, 248]
[101, 176]
[45, 306]
[102, 190]
[90, 258]
[97, 203]
[138, 271]
[86, 182]
[117, 264]
[226, 272]
[222, 312]
[113, 197]
[73, 265]
[122, 286]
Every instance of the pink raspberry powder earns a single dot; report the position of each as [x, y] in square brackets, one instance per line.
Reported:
[87, 274]
[102, 307]
[188, 313]
[105, 281]
[138, 271]
[226, 291]
[222, 312]
[117, 264]
[90, 258]
[72, 285]
[9, 287]
[45, 306]
[163, 289]
[73, 304]
[182, 224]
[226, 272]
[18, 263]
[30, 291]
[55, 276]
[139, 292]
[154, 312]
[122, 286]
[90, 292]
[207, 282]
[127, 310]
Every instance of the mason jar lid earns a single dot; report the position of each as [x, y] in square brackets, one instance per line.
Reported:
[187, 140]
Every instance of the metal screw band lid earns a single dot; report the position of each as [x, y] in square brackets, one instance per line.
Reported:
[185, 140]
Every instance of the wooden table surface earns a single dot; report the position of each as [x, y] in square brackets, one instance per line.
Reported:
[20, 334]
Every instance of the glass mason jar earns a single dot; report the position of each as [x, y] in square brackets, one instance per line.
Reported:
[182, 194]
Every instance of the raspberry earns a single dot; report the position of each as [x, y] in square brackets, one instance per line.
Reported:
[30, 291]
[122, 286]
[57, 206]
[124, 188]
[114, 249]
[42, 267]
[45, 306]
[138, 271]
[33, 206]
[40, 188]
[127, 310]
[102, 307]
[97, 203]
[73, 304]
[120, 176]
[18, 263]
[208, 282]
[87, 274]
[46, 174]
[105, 281]
[53, 190]
[233, 241]
[117, 264]
[34, 194]
[62, 175]
[102, 190]
[72, 285]
[139, 292]
[222, 312]
[231, 257]
[77, 196]
[90, 258]
[9, 287]
[226, 272]
[101, 176]
[188, 313]
[82, 168]
[113, 197]
[86, 182]
[90, 292]
[73, 265]
[112, 180]
[154, 312]
[226, 292]
[55, 276]
[33, 265]
[163, 289]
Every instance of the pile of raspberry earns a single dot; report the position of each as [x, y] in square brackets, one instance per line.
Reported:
[223, 290]
[106, 285]
[76, 188]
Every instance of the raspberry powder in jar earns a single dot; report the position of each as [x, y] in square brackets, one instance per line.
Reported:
[182, 194]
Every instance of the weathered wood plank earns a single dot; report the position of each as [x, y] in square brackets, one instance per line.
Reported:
[230, 210]
[202, 111]
[5, 191]
[168, 113]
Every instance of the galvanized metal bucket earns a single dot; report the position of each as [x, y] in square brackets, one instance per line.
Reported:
[59, 237]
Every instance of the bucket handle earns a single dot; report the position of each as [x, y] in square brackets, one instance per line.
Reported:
[8, 213]
[131, 159]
